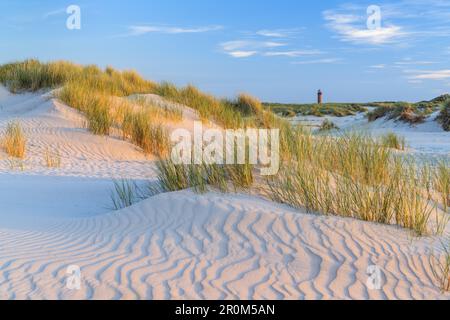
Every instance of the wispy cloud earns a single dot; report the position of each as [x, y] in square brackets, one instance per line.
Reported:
[431, 75]
[279, 33]
[57, 12]
[411, 62]
[248, 44]
[248, 48]
[242, 54]
[139, 30]
[378, 66]
[352, 28]
[293, 53]
[318, 61]
[402, 22]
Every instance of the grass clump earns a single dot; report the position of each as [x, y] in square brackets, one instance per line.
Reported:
[248, 105]
[440, 267]
[52, 159]
[399, 111]
[393, 141]
[354, 176]
[208, 107]
[125, 194]
[328, 125]
[442, 182]
[174, 177]
[16, 164]
[95, 106]
[163, 111]
[152, 138]
[444, 116]
[14, 140]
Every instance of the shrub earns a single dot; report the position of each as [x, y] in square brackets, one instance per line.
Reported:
[14, 140]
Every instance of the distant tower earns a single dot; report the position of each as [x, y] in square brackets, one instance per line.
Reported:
[319, 97]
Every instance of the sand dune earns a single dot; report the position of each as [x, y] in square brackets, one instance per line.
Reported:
[186, 246]
[178, 245]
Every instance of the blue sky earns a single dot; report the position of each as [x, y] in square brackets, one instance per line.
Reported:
[277, 50]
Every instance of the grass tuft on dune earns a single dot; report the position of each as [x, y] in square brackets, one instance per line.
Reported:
[14, 140]
[444, 116]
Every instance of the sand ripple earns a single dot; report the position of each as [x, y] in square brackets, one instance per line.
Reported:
[186, 246]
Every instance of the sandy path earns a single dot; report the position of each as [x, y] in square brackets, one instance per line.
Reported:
[178, 245]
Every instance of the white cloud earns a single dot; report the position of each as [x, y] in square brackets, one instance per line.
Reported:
[378, 66]
[431, 75]
[402, 22]
[242, 54]
[248, 48]
[318, 61]
[411, 62]
[292, 54]
[278, 33]
[352, 28]
[241, 44]
[145, 29]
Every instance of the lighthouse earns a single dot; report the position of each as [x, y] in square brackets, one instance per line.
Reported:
[319, 97]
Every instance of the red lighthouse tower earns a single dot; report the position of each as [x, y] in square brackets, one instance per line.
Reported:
[319, 97]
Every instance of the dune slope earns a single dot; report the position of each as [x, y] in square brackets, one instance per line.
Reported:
[178, 245]
[186, 246]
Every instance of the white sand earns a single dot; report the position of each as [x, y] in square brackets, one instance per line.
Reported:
[179, 245]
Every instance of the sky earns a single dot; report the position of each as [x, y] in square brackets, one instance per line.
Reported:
[279, 51]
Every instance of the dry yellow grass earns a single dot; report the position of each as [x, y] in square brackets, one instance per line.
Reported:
[14, 141]
[52, 159]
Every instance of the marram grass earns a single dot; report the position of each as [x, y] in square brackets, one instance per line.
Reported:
[14, 140]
